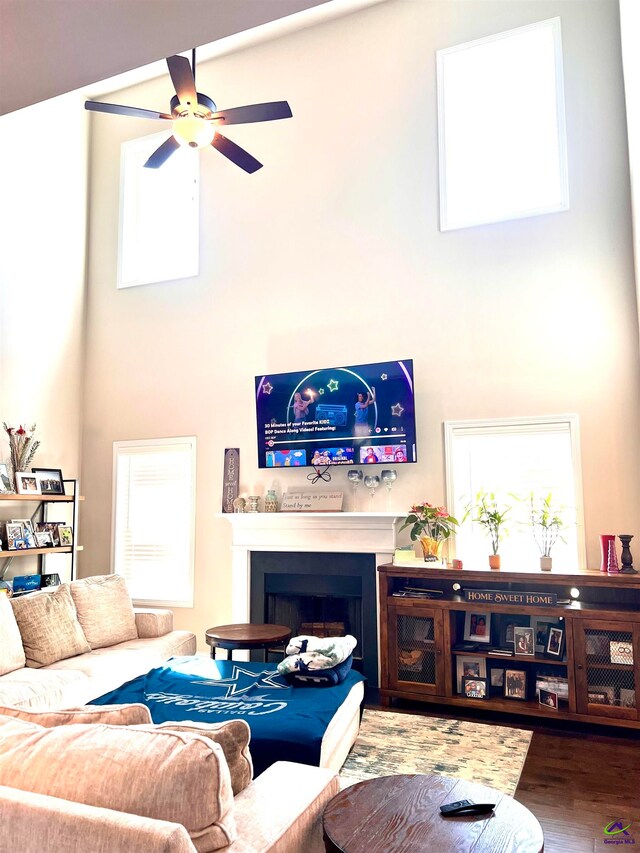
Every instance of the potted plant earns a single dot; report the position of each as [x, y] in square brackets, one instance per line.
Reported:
[547, 524]
[486, 511]
[431, 526]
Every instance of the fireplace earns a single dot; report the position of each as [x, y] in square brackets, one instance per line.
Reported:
[319, 594]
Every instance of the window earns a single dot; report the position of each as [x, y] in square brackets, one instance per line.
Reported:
[501, 127]
[516, 456]
[153, 547]
[159, 218]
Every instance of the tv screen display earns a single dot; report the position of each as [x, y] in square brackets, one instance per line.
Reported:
[362, 414]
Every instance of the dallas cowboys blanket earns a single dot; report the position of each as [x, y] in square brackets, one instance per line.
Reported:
[287, 724]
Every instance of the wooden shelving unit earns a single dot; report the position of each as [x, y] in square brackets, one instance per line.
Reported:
[607, 609]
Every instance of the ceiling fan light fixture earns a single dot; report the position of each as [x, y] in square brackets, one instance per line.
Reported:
[193, 131]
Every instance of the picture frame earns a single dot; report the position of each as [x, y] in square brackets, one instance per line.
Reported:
[14, 534]
[51, 481]
[627, 697]
[477, 627]
[524, 641]
[27, 483]
[28, 533]
[497, 677]
[540, 625]
[507, 624]
[475, 688]
[5, 480]
[596, 697]
[43, 540]
[52, 528]
[52, 579]
[548, 699]
[515, 684]
[555, 642]
[469, 666]
[65, 535]
[597, 646]
[620, 651]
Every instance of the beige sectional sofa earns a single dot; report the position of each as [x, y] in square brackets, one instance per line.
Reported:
[104, 779]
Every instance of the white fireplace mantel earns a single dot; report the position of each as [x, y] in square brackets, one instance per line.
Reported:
[317, 532]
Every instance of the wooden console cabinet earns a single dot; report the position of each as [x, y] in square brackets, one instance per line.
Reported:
[601, 661]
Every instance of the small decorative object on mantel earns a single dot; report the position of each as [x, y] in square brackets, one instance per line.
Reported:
[239, 505]
[612, 558]
[626, 558]
[546, 522]
[253, 503]
[271, 501]
[605, 538]
[230, 478]
[431, 526]
[22, 449]
[486, 511]
[310, 501]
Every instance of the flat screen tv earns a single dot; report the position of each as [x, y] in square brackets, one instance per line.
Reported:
[363, 414]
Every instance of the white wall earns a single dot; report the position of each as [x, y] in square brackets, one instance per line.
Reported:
[332, 254]
[43, 151]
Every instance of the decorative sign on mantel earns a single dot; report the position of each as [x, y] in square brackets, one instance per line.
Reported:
[231, 477]
[306, 501]
[498, 596]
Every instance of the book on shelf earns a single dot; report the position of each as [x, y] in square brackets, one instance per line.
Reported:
[501, 653]
[465, 647]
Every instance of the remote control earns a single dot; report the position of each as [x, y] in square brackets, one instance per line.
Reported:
[464, 808]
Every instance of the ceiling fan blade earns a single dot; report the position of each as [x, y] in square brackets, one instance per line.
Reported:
[182, 79]
[136, 112]
[160, 155]
[236, 154]
[253, 112]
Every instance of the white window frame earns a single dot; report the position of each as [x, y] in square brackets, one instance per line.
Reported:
[447, 57]
[186, 245]
[522, 424]
[188, 599]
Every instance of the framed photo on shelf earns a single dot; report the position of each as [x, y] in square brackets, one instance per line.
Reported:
[27, 483]
[5, 482]
[27, 530]
[65, 534]
[468, 666]
[627, 697]
[597, 646]
[621, 652]
[523, 641]
[507, 624]
[540, 625]
[477, 627]
[515, 684]
[475, 688]
[549, 699]
[14, 534]
[43, 540]
[52, 528]
[555, 642]
[51, 482]
[596, 697]
[52, 579]
[497, 677]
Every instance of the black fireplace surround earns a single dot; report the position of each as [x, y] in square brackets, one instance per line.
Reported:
[296, 588]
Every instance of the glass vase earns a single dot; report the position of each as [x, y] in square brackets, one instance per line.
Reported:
[431, 549]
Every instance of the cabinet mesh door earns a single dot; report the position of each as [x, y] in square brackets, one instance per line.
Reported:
[416, 649]
[610, 679]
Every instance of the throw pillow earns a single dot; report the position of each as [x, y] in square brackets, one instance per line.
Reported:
[49, 626]
[12, 656]
[114, 715]
[158, 774]
[104, 610]
[232, 735]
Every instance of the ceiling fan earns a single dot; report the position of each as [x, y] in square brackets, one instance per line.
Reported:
[194, 118]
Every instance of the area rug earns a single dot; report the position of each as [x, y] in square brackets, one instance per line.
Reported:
[390, 743]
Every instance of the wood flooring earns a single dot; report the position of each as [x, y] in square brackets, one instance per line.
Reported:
[576, 779]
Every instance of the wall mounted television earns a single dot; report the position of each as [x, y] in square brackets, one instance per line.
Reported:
[361, 414]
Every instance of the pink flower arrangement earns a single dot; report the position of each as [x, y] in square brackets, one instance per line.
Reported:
[428, 520]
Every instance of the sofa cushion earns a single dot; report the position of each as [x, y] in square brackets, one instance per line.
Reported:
[104, 610]
[232, 735]
[44, 688]
[49, 626]
[113, 715]
[12, 656]
[159, 774]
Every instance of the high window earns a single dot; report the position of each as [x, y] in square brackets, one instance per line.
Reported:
[154, 519]
[513, 457]
[501, 127]
[159, 214]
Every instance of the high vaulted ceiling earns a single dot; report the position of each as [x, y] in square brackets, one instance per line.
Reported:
[48, 47]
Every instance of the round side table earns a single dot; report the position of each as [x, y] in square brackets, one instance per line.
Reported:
[245, 636]
[401, 814]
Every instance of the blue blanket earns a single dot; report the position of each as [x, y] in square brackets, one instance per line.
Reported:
[287, 723]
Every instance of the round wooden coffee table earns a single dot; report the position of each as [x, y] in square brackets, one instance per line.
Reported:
[401, 814]
[245, 636]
